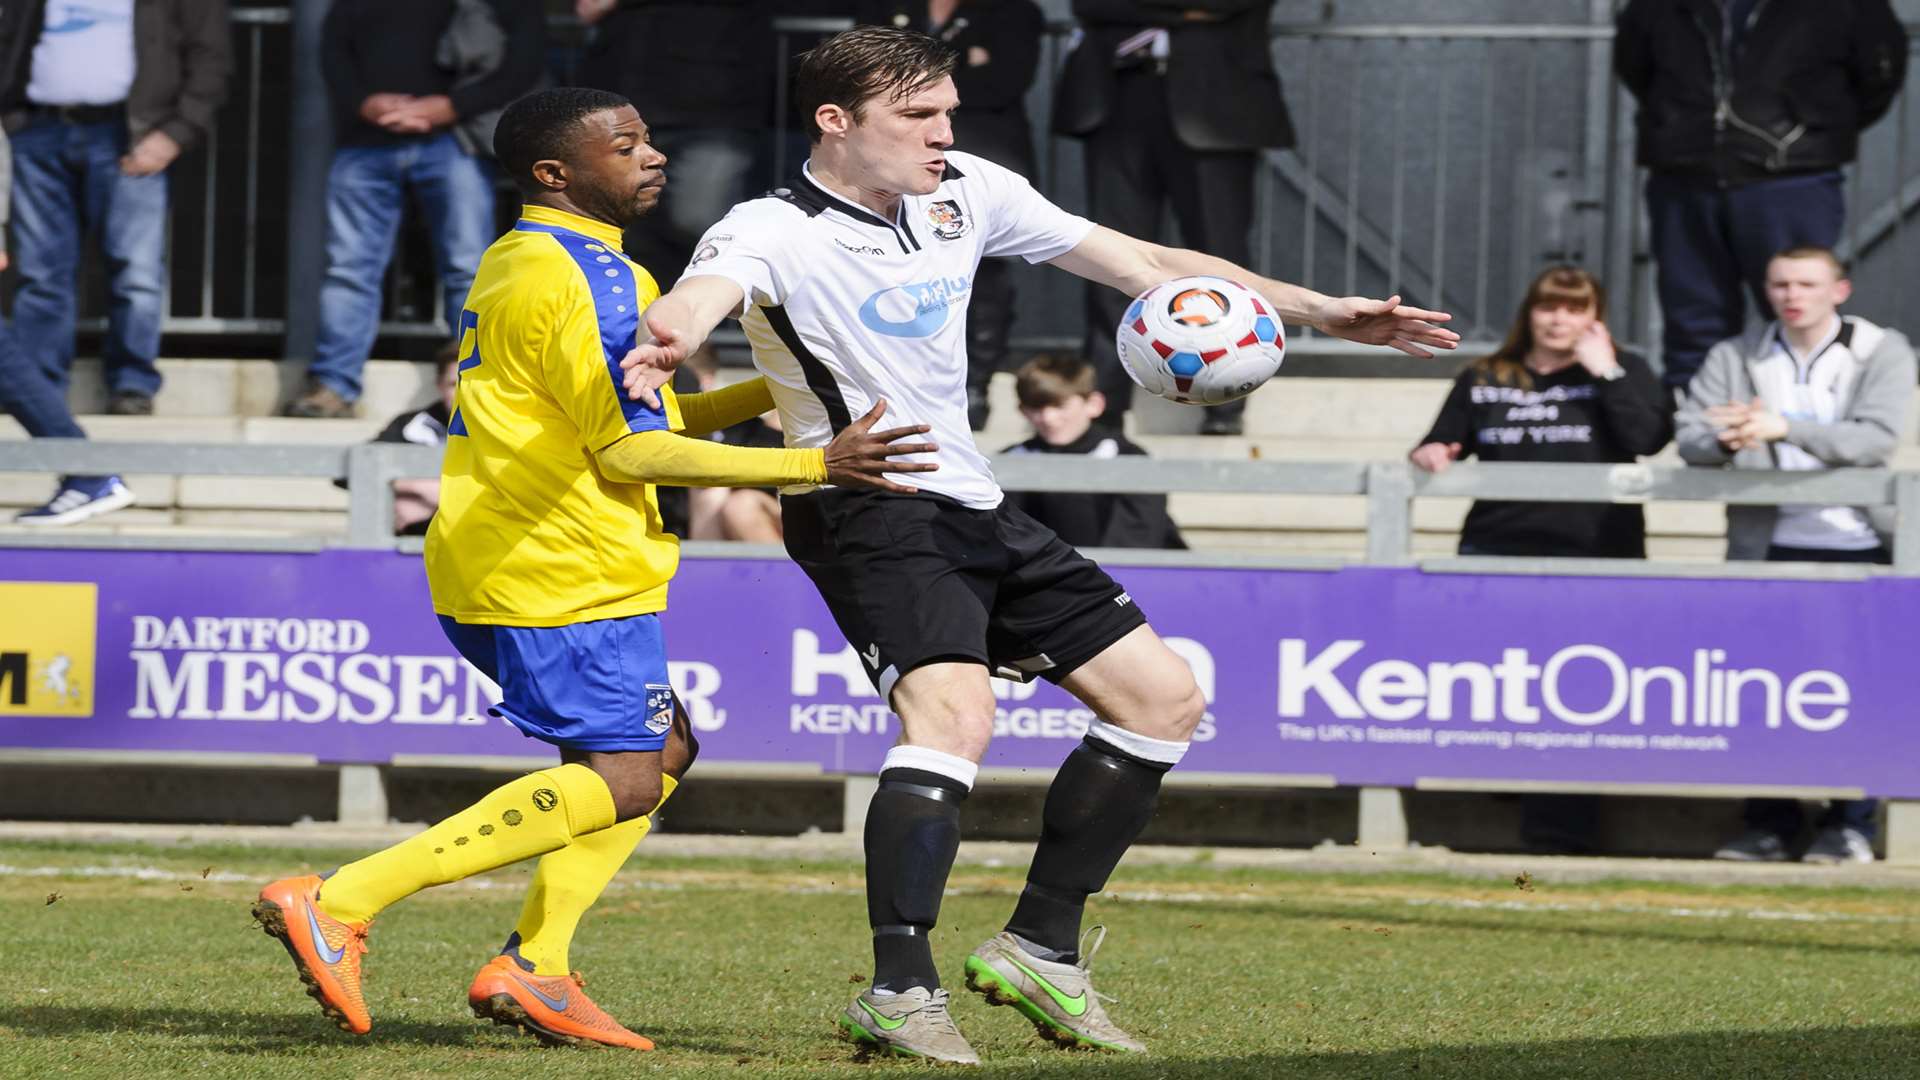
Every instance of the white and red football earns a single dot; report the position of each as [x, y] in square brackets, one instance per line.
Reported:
[1200, 340]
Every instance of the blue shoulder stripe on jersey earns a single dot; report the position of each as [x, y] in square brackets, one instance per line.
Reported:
[616, 305]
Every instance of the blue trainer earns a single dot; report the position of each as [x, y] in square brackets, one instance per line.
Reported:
[77, 500]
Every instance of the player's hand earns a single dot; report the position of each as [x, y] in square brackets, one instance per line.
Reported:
[3, 260]
[153, 153]
[650, 364]
[1434, 457]
[1386, 322]
[859, 455]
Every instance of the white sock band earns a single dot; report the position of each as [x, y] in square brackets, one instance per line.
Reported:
[952, 766]
[1159, 751]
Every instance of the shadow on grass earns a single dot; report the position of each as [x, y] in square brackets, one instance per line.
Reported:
[1862, 1051]
[242, 1031]
[1865, 1051]
[249, 1032]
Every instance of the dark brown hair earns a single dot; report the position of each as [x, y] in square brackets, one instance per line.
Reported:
[852, 68]
[1567, 285]
[1051, 378]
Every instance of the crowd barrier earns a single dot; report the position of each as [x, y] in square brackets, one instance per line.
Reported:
[1384, 675]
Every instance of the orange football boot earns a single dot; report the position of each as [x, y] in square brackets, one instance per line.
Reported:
[552, 1008]
[325, 950]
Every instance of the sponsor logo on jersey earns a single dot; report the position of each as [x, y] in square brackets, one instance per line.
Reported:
[709, 250]
[916, 309]
[948, 220]
[859, 249]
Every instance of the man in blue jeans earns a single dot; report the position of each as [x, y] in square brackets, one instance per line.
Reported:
[1748, 110]
[27, 395]
[100, 98]
[395, 109]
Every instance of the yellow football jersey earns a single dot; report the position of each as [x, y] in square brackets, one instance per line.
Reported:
[528, 532]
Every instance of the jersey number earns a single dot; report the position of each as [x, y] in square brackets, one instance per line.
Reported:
[469, 321]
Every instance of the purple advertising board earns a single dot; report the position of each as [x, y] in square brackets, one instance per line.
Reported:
[1365, 676]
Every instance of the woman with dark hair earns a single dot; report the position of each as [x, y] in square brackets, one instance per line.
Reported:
[1555, 390]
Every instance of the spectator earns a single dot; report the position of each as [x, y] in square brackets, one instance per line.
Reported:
[29, 396]
[1058, 398]
[1175, 103]
[1810, 390]
[101, 98]
[1748, 110]
[703, 70]
[1555, 390]
[999, 46]
[415, 498]
[396, 109]
[751, 515]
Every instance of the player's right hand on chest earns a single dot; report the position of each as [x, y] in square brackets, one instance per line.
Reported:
[859, 456]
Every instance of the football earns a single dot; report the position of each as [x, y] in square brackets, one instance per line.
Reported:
[1200, 340]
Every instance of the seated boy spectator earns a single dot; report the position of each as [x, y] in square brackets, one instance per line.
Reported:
[1057, 397]
[1810, 390]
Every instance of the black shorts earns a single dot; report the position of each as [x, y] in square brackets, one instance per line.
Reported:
[915, 579]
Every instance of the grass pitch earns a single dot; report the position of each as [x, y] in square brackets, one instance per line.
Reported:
[121, 961]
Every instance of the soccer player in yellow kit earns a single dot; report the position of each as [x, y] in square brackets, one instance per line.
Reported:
[549, 570]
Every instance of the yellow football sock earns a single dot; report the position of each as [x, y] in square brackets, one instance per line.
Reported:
[530, 816]
[568, 881]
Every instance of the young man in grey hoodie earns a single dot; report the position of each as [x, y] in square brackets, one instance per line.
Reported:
[1810, 390]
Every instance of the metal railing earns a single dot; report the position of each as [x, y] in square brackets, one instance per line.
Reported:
[1503, 147]
[1388, 486]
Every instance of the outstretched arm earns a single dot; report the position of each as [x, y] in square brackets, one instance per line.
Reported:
[1133, 266]
[676, 325]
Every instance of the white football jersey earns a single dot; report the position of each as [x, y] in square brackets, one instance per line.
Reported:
[844, 307]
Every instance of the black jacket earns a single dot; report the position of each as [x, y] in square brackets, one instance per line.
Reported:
[384, 46]
[1221, 86]
[1788, 92]
[1088, 519]
[687, 65]
[182, 55]
[992, 121]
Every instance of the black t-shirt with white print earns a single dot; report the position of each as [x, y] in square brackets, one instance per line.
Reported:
[1568, 416]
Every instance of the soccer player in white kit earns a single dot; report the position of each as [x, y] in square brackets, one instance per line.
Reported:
[852, 287]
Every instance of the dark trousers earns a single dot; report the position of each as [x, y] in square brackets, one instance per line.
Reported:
[1136, 167]
[1784, 817]
[1711, 246]
[989, 322]
[31, 396]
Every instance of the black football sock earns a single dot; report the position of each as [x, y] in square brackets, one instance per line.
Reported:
[1099, 802]
[912, 836]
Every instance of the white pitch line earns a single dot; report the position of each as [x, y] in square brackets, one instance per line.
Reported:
[154, 873]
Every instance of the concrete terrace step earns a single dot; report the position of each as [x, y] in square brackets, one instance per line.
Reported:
[211, 387]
